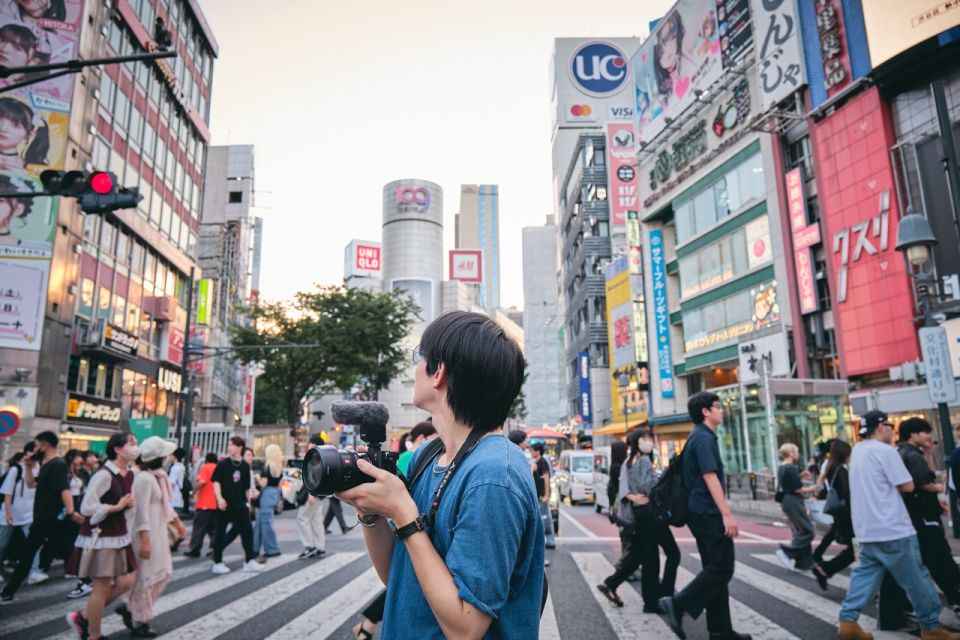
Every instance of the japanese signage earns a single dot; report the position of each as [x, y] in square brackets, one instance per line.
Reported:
[936, 361]
[23, 294]
[661, 316]
[362, 258]
[836, 63]
[619, 313]
[765, 313]
[633, 243]
[779, 51]
[772, 347]
[621, 164]
[169, 380]
[205, 292]
[952, 327]
[175, 343]
[679, 60]
[466, 265]
[867, 237]
[90, 410]
[736, 32]
[583, 376]
[804, 237]
[119, 341]
[249, 382]
[894, 26]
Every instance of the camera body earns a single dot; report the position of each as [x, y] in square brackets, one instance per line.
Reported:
[328, 469]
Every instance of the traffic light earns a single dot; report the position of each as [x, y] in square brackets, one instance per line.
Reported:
[96, 191]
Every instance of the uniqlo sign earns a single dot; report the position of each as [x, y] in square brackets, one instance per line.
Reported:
[362, 259]
[621, 164]
[466, 265]
[368, 258]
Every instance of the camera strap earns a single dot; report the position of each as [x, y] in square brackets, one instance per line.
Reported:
[434, 449]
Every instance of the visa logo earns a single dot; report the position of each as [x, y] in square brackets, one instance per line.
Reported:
[620, 113]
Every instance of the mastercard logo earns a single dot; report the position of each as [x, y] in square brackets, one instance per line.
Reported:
[581, 110]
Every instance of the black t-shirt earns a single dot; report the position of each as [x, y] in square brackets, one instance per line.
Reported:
[272, 480]
[790, 479]
[543, 467]
[51, 481]
[234, 479]
[701, 455]
[922, 505]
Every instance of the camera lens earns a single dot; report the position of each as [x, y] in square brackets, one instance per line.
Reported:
[327, 469]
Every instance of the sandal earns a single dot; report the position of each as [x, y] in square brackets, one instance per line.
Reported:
[610, 594]
[360, 633]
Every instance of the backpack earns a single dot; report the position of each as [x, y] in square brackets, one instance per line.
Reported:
[669, 497]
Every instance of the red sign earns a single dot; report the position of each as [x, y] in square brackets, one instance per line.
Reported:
[175, 342]
[368, 258]
[833, 46]
[9, 423]
[466, 265]
[873, 299]
[804, 237]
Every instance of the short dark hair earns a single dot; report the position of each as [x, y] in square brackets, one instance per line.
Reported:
[538, 447]
[117, 441]
[245, 449]
[316, 439]
[517, 436]
[210, 457]
[48, 437]
[698, 402]
[29, 446]
[484, 366]
[238, 441]
[424, 429]
[911, 426]
[152, 465]
[88, 454]
[179, 454]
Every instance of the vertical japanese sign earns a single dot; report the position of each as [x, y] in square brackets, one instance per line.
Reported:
[804, 237]
[779, 50]
[621, 149]
[936, 359]
[204, 291]
[249, 382]
[658, 275]
[635, 267]
[836, 62]
[583, 375]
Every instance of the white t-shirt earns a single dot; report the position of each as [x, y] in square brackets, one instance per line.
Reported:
[22, 507]
[176, 485]
[879, 514]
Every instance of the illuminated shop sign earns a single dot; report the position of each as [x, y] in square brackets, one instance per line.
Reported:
[119, 341]
[804, 237]
[87, 410]
[169, 380]
[583, 376]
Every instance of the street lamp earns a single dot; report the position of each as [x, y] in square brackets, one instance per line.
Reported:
[915, 239]
[624, 381]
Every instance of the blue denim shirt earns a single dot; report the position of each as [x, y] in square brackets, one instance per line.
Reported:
[489, 533]
[701, 455]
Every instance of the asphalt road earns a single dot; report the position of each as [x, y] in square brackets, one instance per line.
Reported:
[323, 598]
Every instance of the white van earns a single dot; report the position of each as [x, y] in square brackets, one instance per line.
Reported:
[575, 475]
[601, 477]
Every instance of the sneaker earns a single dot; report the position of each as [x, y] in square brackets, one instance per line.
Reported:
[125, 615]
[672, 616]
[79, 624]
[143, 631]
[784, 559]
[317, 553]
[5, 600]
[610, 594]
[305, 553]
[82, 589]
[220, 568]
[253, 565]
[192, 554]
[36, 577]
[820, 576]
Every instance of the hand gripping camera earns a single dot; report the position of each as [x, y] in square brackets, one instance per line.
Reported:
[327, 469]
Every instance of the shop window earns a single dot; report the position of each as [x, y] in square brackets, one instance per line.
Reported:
[719, 262]
[730, 194]
[136, 257]
[119, 310]
[133, 318]
[156, 207]
[77, 370]
[123, 249]
[85, 303]
[103, 304]
[108, 238]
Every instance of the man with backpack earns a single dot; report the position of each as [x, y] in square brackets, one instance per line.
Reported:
[464, 557]
[711, 522]
[16, 510]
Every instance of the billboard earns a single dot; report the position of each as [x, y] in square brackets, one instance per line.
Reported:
[466, 265]
[658, 273]
[362, 258]
[589, 78]
[736, 30]
[779, 50]
[804, 237]
[873, 295]
[619, 314]
[622, 171]
[680, 59]
[583, 376]
[893, 26]
[34, 119]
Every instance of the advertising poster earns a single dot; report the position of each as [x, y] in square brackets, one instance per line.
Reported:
[736, 30]
[893, 26]
[624, 185]
[680, 58]
[619, 313]
[658, 274]
[420, 293]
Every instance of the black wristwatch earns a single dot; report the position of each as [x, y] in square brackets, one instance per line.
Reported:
[407, 530]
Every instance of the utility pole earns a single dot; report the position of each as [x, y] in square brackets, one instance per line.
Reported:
[185, 405]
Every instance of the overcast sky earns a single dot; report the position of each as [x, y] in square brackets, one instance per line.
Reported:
[340, 98]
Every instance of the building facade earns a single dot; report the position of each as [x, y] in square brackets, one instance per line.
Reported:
[98, 344]
[477, 226]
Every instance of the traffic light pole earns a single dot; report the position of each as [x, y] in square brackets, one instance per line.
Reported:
[73, 66]
[183, 411]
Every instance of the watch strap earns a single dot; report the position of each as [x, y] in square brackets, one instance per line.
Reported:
[407, 530]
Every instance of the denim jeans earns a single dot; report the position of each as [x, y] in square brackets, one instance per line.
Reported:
[549, 536]
[902, 559]
[263, 531]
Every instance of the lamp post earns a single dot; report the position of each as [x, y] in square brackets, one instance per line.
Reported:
[624, 383]
[915, 239]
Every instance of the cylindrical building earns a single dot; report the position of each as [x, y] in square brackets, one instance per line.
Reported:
[412, 261]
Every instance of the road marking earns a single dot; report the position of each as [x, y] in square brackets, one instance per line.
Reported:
[838, 580]
[548, 621]
[683, 540]
[189, 595]
[754, 536]
[325, 617]
[583, 529]
[626, 621]
[252, 604]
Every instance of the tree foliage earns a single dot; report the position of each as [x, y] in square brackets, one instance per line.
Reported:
[354, 336]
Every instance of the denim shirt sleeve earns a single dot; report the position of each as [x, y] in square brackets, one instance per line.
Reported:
[486, 543]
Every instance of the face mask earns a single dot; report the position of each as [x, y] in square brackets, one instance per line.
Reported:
[132, 452]
[645, 446]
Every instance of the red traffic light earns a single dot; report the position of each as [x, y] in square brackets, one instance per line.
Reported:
[101, 182]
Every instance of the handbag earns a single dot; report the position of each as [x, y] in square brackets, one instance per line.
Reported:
[834, 504]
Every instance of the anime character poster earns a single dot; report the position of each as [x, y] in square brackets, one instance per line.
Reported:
[680, 58]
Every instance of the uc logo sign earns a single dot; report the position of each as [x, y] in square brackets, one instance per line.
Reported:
[598, 68]
[416, 198]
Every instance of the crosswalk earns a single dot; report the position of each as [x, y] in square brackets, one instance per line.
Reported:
[320, 599]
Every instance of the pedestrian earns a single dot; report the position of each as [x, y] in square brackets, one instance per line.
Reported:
[954, 482]
[618, 455]
[176, 477]
[798, 554]
[153, 517]
[263, 532]
[421, 433]
[71, 530]
[712, 524]
[541, 479]
[475, 501]
[372, 616]
[335, 510]
[231, 483]
[51, 502]
[16, 512]
[103, 551]
[926, 513]
[91, 464]
[233, 532]
[205, 508]
[649, 535]
[888, 540]
[836, 478]
[310, 518]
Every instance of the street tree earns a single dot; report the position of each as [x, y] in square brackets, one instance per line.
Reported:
[350, 337]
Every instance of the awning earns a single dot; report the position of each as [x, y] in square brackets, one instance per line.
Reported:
[546, 434]
[618, 429]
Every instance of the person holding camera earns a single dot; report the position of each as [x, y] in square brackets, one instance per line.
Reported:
[464, 555]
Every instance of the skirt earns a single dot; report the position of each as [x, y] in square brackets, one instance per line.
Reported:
[102, 563]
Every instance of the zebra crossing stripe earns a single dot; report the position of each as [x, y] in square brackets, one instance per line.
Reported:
[838, 580]
[325, 617]
[183, 597]
[548, 621]
[252, 604]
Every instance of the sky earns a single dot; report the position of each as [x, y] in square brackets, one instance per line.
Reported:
[339, 98]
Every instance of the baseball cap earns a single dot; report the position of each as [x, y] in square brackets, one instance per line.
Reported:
[871, 420]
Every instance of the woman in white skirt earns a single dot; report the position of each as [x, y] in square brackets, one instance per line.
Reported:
[102, 550]
[152, 515]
